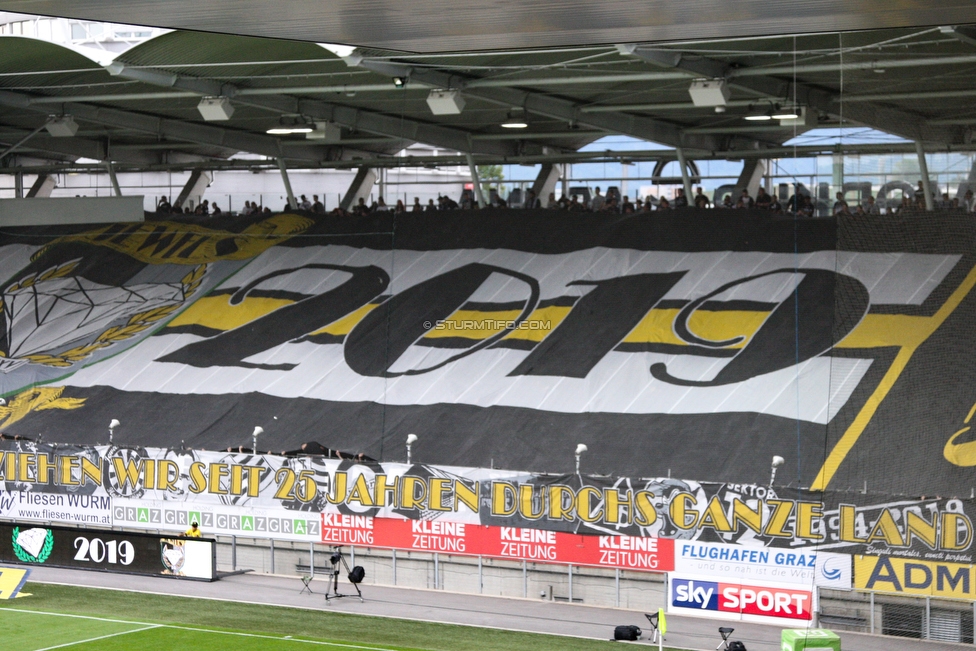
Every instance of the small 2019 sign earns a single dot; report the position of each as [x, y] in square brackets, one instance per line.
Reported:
[98, 551]
[108, 551]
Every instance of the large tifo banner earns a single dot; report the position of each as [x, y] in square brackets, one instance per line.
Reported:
[685, 351]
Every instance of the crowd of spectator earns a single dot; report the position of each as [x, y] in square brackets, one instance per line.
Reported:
[800, 204]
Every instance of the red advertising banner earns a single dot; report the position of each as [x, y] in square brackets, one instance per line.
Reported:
[536, 545]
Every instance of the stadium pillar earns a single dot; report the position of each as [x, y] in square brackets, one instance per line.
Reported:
[114, 178]
[838, 172]
[923, 169]
[475, 181]
[545, 182]
[753, 170]
[361, 184]
[292, 203]
[195, 186]
[685, 178]
[43, 186]
[19, 185]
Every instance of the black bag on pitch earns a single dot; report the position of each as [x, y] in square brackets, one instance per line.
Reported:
[736, 645]
[627, 632]
[357, 575]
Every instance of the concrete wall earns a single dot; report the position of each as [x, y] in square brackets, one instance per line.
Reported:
[593, 586]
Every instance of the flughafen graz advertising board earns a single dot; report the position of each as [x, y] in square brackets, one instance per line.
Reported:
[680, 348]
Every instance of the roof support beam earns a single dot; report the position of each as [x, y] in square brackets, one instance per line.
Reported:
[378, 123]
[76, 147]
[167, 127]
[561, 109]
[891, 120]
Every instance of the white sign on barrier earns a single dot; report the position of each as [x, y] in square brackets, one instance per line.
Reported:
[56, 508]
[806, 567]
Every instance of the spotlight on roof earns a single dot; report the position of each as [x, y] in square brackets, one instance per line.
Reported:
[215, 108]
[61, 126]
[515, 121]
[709, 92]
[445, 102]
[288, 124]
[326, 131]
[400, 82]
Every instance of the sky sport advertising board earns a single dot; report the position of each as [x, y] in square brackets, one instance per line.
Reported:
[740, 600]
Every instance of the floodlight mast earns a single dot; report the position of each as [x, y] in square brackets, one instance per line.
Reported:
[258, 430]
[111, 430]
[777, 462]
[411, 439]
[580, 449]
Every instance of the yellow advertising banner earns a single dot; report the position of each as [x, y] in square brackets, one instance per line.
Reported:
[916, 577]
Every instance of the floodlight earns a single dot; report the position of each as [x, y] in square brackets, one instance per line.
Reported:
[258, 430]
[580, 449]
[411, 439]
[215, 108]
[777, 462]
[445, 102]
[327, 131]
[400, 82]
[709, 92]
[61, 126]
[111, 429]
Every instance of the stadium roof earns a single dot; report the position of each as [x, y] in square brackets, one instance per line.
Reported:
[470, 25]
[139, 108]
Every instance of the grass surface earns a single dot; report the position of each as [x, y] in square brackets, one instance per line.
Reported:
[113, 620]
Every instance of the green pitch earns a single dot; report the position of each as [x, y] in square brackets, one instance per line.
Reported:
[86, 619]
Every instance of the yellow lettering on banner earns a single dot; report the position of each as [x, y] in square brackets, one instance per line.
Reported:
[217, 472]
[952, 525]
[66, 467]
[25, 461]
[680, 508]
[741, 513]
[3, 455]
[528, 496]
[916, 525]
[360, 492]
[467, 495]
[10, 466]
[613, 502]
[236, 480]
[806, 513]
[198, 480]
[885, 529]
[584, 504]
[382, 488]
[254, 480]
[339, 484]
[149, 473]
[413, 492]
[91, 470]
[11, 581]
[562, 502]
[504, 498]
[175, 243]
[644, 504]
[439, 486]
[779, 519]
[714, 516]
[46, 466]
[168, 473]
[126, 472]
[912, 576]
[848, 524]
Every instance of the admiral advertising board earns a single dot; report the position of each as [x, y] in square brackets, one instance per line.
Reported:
[108, 551]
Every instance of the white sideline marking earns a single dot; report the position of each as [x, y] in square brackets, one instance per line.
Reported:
[181, 628]
[100, 637]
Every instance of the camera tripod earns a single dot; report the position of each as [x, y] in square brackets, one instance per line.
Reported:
[338, 561]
